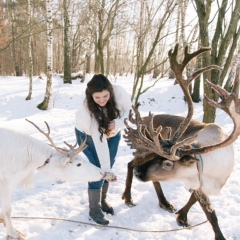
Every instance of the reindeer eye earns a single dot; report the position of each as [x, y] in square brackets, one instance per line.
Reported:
[79, 164]
[167, 165]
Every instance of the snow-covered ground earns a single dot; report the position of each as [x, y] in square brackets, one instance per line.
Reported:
[51, 210]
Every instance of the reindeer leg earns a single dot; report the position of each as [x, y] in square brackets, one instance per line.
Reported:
[1, 217]
[181, 215]
[210, 213]
[2, 220]
[163, 202]
[127, 192]
[6, 215]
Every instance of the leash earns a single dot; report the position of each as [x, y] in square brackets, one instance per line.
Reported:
[107, 226]
[200, 168]
[199, 165]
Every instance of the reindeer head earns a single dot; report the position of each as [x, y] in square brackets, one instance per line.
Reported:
[149, 142]
[67, 165]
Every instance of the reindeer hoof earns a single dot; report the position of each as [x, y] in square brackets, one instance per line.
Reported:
[128, 201]
[130, 204]
[182, 220]
[168, 207]
[182, 223]
[16, 235]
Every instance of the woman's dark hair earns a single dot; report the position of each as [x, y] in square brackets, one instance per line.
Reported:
[99, 83]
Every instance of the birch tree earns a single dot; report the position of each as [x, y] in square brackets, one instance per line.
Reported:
[30, 51]
[44, 105]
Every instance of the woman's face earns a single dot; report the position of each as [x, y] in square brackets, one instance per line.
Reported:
[101, 98]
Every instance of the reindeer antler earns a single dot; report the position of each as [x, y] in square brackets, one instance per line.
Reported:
[184, 84]
[72, 152]
[148, 140]
[231, 105]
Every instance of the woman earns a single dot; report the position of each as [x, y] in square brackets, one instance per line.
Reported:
[101, 116]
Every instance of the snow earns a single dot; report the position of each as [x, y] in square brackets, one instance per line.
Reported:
[52, 210]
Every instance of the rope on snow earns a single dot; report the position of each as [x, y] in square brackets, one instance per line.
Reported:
[107, 226]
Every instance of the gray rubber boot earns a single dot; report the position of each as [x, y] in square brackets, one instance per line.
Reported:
[95, 211]
[106, 207]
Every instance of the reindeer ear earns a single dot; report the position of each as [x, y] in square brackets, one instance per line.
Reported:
[188, 159]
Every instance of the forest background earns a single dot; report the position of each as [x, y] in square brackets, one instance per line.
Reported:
[119, 37]
[127, 40]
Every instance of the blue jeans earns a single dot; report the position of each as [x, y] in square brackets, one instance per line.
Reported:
[92, 156]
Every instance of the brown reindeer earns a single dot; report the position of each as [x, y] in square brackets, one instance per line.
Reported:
[176, 148]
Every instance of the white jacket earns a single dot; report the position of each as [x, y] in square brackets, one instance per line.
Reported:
[86, 123]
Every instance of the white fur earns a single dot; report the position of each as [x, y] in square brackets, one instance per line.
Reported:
[217, 165]
[21, 155]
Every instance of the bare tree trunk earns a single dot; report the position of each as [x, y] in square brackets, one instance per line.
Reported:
[183, 9]
[229, 83]
[44, 105]
[30, 52]
[85, 68]
[142, 64]
[156, 70]
[197, 81]
[178, 23]
[101, 13]
[203, 12]
[131, 67]
[139, 56]
[223, 45]
[229, 57]
[108, 58]
[67, 49]
[16, 66]
[96, 64]
[105, 26]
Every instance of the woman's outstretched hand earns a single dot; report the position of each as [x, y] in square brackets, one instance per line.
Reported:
[110, 177]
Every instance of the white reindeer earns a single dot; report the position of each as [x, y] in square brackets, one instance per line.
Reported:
[21, 155]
